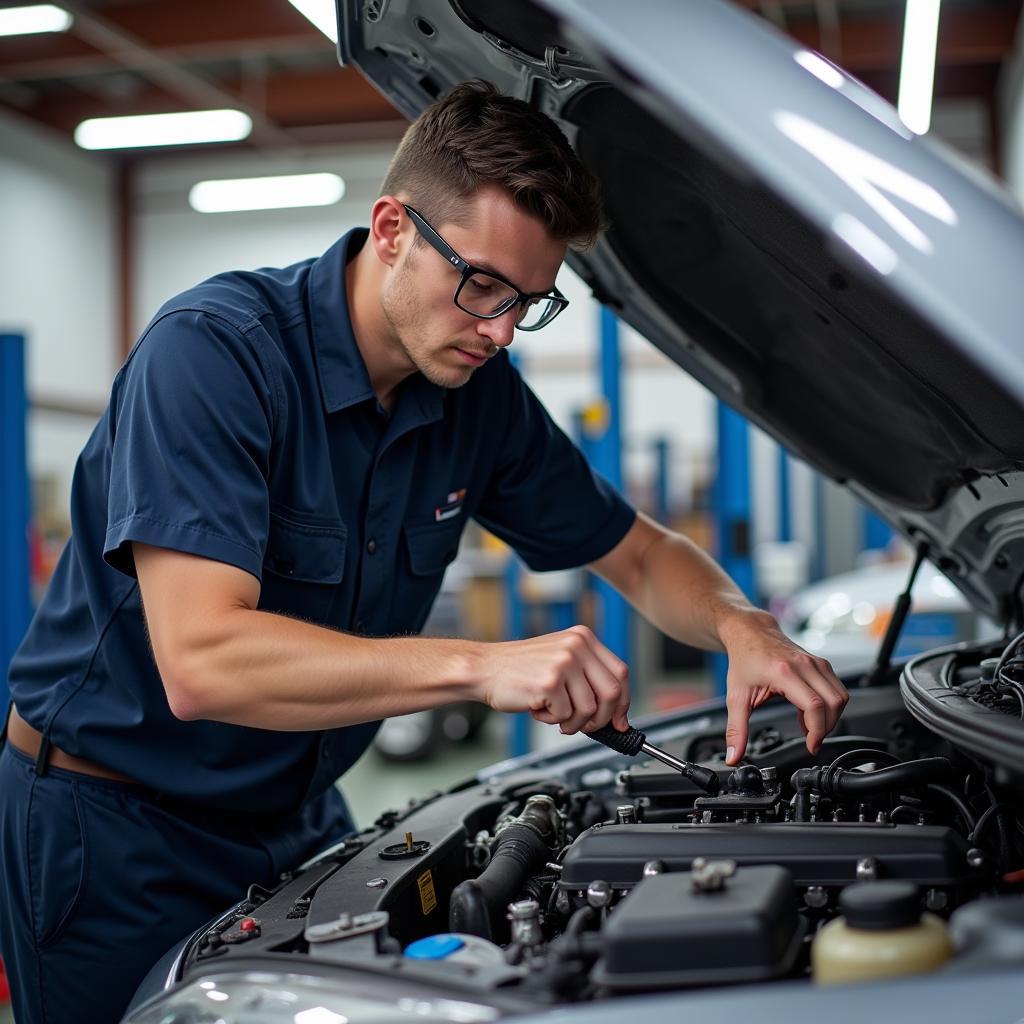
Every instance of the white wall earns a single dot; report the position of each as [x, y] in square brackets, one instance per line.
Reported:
[57, 281]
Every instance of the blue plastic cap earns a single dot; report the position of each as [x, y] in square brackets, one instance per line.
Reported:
[434, 947]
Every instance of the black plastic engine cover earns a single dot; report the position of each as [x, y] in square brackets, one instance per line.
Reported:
[815, 853]
[665, 934]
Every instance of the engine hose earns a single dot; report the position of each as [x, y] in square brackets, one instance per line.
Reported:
[479, 904]
[832, 781]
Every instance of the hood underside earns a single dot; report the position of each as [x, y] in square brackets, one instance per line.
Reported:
[778, 234]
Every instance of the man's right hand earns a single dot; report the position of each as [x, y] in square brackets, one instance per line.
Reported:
[569, 679]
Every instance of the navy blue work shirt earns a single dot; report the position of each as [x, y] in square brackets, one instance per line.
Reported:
[243, 428]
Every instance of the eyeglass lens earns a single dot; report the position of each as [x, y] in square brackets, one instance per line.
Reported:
[487, 296]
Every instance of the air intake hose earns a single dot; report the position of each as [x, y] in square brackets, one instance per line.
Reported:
[522, 846]
[839, 782]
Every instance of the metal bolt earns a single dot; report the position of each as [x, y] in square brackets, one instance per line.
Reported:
[883, 818]
[652, 868]
[376, 883]
[525, 918]
[975, 858]
[599, 894]
[710, 875]
[867, 869]
[769, 776]
[936, 900]
[625, 814]
[524, 910]
[816, 896]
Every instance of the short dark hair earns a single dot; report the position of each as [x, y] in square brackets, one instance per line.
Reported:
[476, 136]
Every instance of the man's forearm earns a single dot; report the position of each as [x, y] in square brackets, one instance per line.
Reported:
[258, 669]
[684, 593]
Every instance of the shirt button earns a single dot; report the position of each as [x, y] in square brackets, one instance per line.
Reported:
[371, 545]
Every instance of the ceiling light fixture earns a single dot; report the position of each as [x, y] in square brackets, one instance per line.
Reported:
[182, 129]
[917, 66]
[23, 21]
[280, 192]
[321, 13]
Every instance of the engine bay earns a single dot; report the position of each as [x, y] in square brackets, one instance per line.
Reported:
[582, 875]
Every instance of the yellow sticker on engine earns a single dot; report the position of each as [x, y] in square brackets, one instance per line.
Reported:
[428, 898]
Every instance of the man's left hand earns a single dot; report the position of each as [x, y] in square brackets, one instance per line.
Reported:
[764, 662]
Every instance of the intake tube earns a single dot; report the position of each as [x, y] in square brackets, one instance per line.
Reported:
[839, 782]
[522, 846]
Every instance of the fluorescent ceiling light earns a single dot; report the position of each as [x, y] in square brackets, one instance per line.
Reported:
[163, 129]
[276, 193]
[21, 21]
[917, 67]
[321, 13]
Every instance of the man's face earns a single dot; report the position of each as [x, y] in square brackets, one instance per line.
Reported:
[443, 342]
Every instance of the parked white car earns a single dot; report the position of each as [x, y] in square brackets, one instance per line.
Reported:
[843, 618]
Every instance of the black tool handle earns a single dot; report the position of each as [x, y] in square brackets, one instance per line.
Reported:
[628, 742]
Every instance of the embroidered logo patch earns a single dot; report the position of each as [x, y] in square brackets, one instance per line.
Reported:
[452, 506]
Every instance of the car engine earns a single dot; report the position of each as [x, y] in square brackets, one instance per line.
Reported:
[580, 874]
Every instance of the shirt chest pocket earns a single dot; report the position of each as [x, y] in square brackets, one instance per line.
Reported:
[431, 547]
[303, 565]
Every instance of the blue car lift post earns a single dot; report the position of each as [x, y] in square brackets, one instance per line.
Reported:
[605, 452]
[732, 514]
[15, 597]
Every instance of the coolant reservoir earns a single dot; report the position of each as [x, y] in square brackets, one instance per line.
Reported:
[882, 933]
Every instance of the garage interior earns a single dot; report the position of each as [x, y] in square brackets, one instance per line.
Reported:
[95, 241]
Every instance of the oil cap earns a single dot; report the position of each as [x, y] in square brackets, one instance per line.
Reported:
[877, 906]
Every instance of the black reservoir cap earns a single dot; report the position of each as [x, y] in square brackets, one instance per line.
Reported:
[877, 906]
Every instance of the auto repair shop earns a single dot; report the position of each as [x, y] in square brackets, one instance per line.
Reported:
[742, 466]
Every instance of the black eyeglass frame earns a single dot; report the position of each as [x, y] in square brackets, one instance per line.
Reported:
[468, 270]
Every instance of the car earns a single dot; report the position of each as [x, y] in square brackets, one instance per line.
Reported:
[853, 291]
[843, 618]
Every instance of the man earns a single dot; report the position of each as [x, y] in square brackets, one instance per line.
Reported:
[282, 475]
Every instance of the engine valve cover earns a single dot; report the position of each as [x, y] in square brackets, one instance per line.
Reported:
[814, 853]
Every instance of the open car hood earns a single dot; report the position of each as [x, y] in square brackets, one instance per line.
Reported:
[852, 289]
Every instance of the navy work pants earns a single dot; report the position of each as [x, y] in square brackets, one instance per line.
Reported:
[100, 879]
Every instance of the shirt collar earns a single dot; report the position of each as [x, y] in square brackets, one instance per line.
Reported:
[344, 379]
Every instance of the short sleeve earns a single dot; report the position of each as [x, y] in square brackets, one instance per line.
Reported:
[543, 498]
[192, 432]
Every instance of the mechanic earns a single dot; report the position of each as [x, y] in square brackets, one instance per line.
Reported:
[282, 475]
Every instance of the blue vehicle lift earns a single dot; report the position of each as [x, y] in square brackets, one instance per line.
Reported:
[15, 595]
[732, 508]
[605, 452]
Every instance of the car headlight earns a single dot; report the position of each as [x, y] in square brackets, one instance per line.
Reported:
[261, 997]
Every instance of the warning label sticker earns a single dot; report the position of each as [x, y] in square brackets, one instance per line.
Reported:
[428, 899]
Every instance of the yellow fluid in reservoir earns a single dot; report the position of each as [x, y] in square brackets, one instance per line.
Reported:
[841, 954]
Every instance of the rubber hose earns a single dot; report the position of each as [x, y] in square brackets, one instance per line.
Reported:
[478, 904]
[838, 782]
